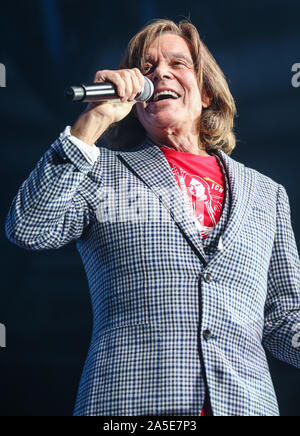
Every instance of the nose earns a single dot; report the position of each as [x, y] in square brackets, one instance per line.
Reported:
[162, 71]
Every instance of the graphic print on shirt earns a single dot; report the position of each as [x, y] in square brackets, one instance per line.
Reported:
[203, 197]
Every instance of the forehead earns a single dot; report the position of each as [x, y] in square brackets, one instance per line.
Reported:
[168, 45]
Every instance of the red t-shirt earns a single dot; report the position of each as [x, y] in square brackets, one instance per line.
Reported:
[201, 181]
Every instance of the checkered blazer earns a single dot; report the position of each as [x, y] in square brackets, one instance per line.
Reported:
[170, 317]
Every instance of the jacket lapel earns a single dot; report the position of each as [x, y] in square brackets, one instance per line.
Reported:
[242, 186]
[149, 164]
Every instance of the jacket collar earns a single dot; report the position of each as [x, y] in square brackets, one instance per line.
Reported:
[150, 164]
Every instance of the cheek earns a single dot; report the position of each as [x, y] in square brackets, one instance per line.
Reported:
[194, 96]
[195, 104]
[192, 93]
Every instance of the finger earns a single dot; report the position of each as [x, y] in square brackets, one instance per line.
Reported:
[135, 87]
[115, 78]
[102, 76]
[140, 77]
[127, 77]
[137, 83]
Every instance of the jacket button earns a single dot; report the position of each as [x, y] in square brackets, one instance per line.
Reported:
[207, 334]
[208, 277]
[206, 250]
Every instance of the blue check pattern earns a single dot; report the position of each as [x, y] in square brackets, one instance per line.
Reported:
[172, 313]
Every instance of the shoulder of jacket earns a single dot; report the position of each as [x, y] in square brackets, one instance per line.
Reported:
[267, 189]
[262, 178]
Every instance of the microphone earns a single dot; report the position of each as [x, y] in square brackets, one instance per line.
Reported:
[105, 91]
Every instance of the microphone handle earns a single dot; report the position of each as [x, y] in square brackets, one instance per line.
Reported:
[90, 93]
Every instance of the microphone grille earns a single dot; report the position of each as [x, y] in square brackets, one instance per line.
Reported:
[147, 91]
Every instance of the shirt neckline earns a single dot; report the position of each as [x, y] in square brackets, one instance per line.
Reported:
[171, 150]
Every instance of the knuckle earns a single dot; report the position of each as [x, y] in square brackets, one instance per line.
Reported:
[124, 74]
[100, 75]
[97, 75]
[129, 73]
[138, 75]
[114, 74]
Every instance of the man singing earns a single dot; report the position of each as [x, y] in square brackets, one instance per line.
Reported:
[190, 255]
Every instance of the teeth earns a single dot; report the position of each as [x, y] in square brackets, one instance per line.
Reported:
[172, 93]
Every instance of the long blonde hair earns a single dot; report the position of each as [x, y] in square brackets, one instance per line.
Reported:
[216, 123]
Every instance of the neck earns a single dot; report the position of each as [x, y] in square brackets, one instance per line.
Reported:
[188, 143]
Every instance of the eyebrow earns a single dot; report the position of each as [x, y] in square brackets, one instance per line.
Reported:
[174, 55]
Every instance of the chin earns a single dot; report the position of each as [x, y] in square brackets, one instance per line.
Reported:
[163, 119]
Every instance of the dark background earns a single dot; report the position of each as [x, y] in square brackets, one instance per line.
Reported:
[47, 45]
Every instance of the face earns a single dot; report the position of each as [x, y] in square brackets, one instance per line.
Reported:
[196, 188]
[169, 65]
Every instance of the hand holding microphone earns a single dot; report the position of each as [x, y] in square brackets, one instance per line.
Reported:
[126, 85]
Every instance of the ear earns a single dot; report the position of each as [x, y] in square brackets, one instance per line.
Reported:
[206, 98]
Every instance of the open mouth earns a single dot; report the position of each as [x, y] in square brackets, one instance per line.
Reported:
[164, 95]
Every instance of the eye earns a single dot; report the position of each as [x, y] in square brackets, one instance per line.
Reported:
[147, 68]
[178, 63]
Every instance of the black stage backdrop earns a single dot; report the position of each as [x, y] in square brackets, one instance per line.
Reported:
[47, 45]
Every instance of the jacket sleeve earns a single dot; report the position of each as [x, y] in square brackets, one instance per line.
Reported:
[56, 202]
[282, 310]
